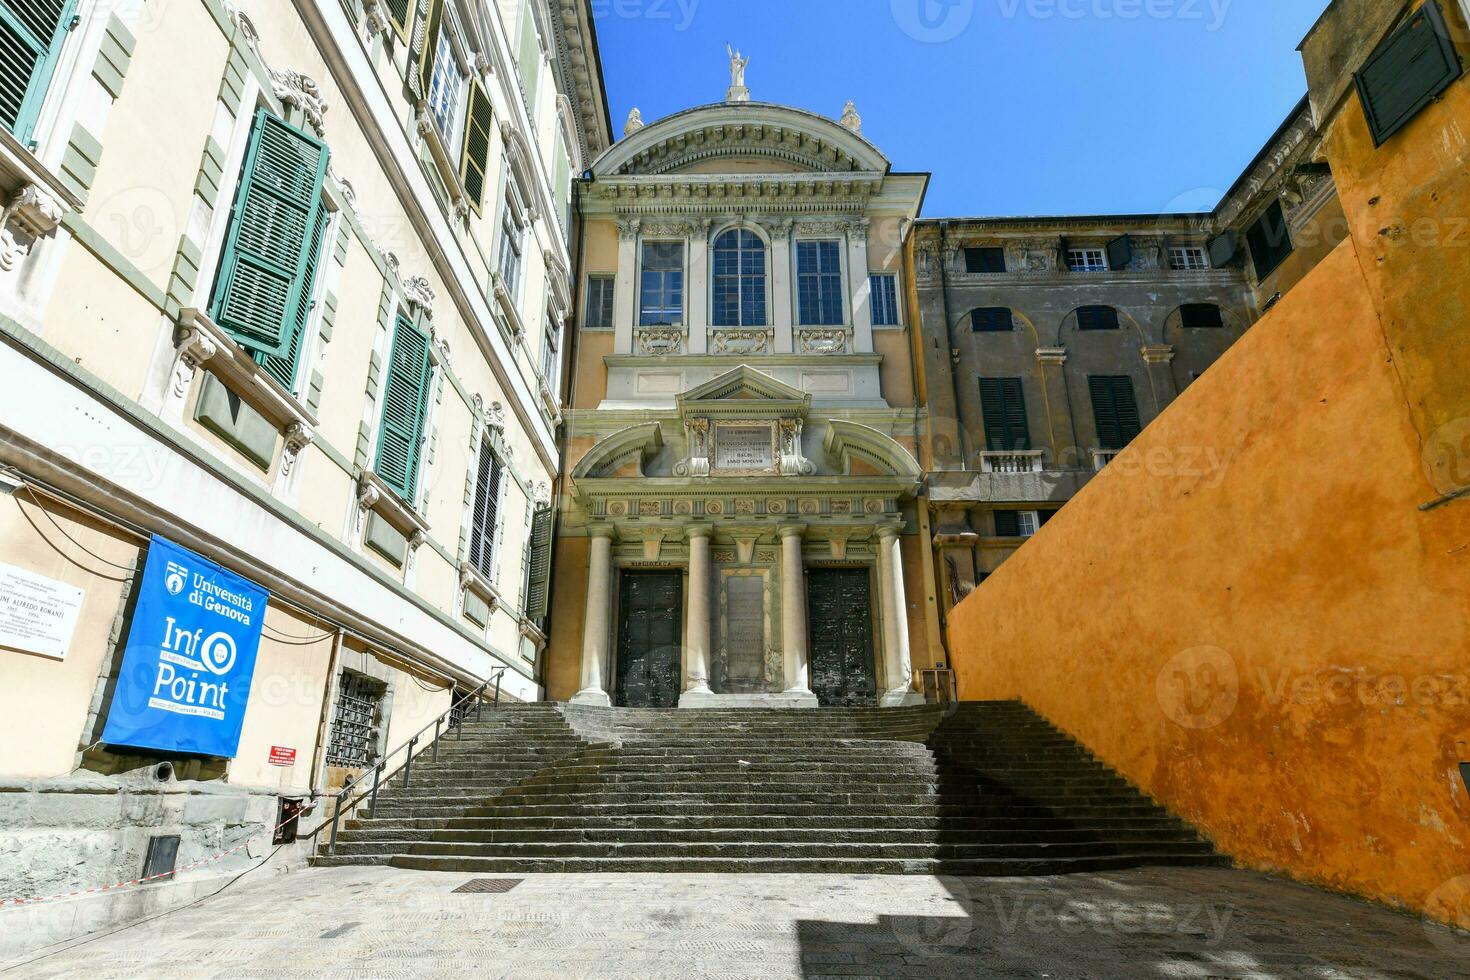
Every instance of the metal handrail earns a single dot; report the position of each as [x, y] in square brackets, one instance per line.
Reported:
[379, 771]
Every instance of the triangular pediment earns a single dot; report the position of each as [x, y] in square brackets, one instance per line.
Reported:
[743, 383]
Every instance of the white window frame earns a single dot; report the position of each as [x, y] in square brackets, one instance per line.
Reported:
[1188, 258]
[1028, 522]
[451, 129]
[1087, 260]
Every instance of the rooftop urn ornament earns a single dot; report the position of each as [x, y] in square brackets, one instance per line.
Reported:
[634, 123]
[738, 92]
[851, 119]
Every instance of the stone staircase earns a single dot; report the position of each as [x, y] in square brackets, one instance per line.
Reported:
[980, 789]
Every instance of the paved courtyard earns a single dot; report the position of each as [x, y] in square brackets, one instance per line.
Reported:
[1134, 925]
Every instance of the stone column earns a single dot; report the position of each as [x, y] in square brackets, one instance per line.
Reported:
[1065, 453]
[1161, 374]
[625, 287]
[858, 288]
[597, 621]
[793, 611]
[697, 300]
[696, 680]
[898, 669]
[781, 279]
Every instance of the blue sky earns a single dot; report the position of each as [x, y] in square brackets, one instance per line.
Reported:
[1016, 106]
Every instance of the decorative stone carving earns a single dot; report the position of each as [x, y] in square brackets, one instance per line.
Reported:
[659, 341]
[496, 417]
[742, 342]
[821, 226]
[419, 293]
[793, 463]
[667, 228]
[737, 91]
[634, 123]
[698, 462]
[628, 228]
[31, 212]
[367, 496]
[296, 438]
[194, 348]
[851, 119]
[825, 340]
[247, 28]
[296, 89]
[374, 18]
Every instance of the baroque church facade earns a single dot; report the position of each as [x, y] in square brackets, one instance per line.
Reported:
[738, 520]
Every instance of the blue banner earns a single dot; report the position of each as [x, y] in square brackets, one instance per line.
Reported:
[190, 656]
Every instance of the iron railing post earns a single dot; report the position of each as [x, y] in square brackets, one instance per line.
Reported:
[435, 746]
[408, 760]
[479, 702]
[498, 675]
[336, 816]
[373, 800]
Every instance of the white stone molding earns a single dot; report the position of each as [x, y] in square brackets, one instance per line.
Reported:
[471, 580]
[420, 294]
[294, 442]
[793, 463]
[1158, 353]
[301, 91]
[659, 341]
[31, 212]
[200, 342]
[743, 341]
[823, 340]
[697, 463]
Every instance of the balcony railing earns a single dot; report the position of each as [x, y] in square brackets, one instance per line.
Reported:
[1102, 457]
[1012, 461]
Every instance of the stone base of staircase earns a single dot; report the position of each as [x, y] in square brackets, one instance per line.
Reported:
[974, 789]
[786, 699]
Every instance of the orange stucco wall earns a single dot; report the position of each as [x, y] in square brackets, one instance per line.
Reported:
[1275, 647]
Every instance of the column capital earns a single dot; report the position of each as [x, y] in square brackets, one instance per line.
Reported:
[1051, 355]
[887, 532]
[602, 531]
[699, 531]
[791, 530]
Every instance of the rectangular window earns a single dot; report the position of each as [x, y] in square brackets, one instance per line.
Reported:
[884, 289]
[405, 407]
[551, 353]
[485, 511]
[661, 291]
[987, 259]
[819, 284]
[263, 291]
[1097, 318]
[355, 718]
[538, 572]
[1015, 523]
[446, 89]
[31, 35]
[1199, 316]
[1188, 258]
[1269, 241]
[599, 303]
[992, 319]
[510, 244]
[1114, 409]
[1004, 408]
[1411, 68]
[1087, 260]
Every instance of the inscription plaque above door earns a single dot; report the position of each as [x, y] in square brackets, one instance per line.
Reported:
[745, 448]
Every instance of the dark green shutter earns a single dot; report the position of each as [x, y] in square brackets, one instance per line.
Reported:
[1114, 409]
[475, 161]
[1097, 318]
[1200, 316]
[274, 237]
[992, 319]
[399, 12]
[1120, 253]
[1007, 524]
[426, 46]
[1222, 249]
[540, 575]
[1408, 70]
[1269, 241]
[1003, 405]
[31, 33]
[405, 403]
[283, 367]
[483, 518]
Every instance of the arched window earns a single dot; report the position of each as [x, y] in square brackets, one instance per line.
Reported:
[739, 280]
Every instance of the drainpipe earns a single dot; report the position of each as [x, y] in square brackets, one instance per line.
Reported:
[324, 720]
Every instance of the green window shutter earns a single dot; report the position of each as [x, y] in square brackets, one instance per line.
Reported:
[405, 404]
[274, 238]
[1003, 405]
[425, 46]
[475, 160]
[283, 366]
[1410, 69]
[540, 574]
[399, 12]
[484, 519]
[1114, 409]
[529, 60]
[1007, 524]
[31, 34]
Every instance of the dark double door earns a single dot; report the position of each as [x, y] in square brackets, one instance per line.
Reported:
[650, 634]
[840, 629]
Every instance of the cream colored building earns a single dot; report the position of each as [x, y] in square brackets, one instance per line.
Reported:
[742, 438]
[286, 284]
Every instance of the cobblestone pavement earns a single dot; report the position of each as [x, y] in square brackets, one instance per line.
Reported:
[1133, 925]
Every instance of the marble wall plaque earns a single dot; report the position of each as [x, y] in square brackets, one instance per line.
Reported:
[745, 633]
[745, 448]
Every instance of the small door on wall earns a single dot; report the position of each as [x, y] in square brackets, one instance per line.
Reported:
[840, 627]
[649, 640]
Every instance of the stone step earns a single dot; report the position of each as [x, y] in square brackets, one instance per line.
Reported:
[753, 834]
[929, 809]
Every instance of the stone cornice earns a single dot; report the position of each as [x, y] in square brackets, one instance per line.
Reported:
[577, 60]
[686, 194]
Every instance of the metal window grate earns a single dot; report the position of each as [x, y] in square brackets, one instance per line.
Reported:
[487, 886]
[354, 722]
[163, 857]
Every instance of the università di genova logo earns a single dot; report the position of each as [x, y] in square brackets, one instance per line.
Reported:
[193, 662]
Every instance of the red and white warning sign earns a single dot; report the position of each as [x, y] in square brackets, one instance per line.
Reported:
[282, 756]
